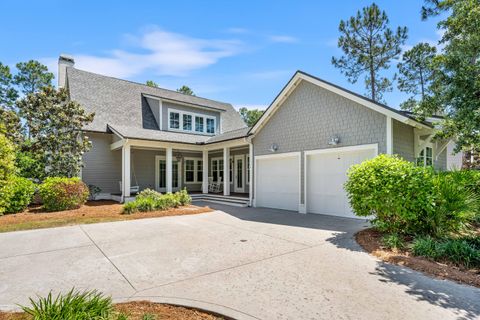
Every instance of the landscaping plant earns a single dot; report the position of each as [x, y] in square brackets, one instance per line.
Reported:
[76, 305]
[20, 194]
[150, 200]
[63, 193]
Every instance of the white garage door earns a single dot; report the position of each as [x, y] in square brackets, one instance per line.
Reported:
[326, 174]
[278, 182]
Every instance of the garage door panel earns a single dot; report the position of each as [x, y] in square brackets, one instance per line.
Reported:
[278, 183]
[326, 175]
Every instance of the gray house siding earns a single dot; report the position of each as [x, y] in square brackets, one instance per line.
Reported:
[167, 106]
[102, 167]
[311, 116]
[403, 140]
[441, 162]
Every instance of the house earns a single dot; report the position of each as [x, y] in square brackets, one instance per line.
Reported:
[295, 157]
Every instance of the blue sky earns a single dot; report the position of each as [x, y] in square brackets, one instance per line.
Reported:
[241, 52]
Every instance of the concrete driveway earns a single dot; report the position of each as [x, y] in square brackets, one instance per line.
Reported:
[243, 262]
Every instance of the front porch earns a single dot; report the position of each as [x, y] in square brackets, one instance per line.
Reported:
[168, 167]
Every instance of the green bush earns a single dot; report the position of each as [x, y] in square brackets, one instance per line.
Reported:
[149, 200]
[461, 251]
[7, 158]
[393, 241]
[63, 193]
[394, 191]
[21, 194]
[72, 305]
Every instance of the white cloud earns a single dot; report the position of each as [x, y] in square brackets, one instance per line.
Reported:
[159, 51]
[283, 39]
[270, 74]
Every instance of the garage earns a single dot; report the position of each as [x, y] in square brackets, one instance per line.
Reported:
[326, 172]
[278, 181]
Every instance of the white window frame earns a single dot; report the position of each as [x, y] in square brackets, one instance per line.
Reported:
[247, 163]
[195, 170]
[424, 157]
[219, 167]
[194, 116]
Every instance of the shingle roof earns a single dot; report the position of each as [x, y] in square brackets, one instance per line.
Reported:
[230, 135]
[121, 104]
[157, 135]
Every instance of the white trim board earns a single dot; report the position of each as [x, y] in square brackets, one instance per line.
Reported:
[300, 76]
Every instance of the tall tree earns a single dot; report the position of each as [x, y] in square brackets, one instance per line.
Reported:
[456, 84]
[8, 94]
[32, 76]
[151, 83]
[250, 116]
[185, 90]
[416, 74]
[56, 137]
[369, 45]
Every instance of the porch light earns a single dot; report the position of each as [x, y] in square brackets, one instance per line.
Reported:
[334, 141]
[273, 148]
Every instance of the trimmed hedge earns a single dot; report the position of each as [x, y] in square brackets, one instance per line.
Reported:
[21, 191]
[406, 199]
[63, 193]
[150, 200]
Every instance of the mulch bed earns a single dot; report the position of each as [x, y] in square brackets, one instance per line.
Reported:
[91, 212]
[136, 310]
[370, 240]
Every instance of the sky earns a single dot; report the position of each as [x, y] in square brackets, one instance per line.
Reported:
[241, 52]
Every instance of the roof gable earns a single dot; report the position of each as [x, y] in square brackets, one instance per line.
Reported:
[302, 76]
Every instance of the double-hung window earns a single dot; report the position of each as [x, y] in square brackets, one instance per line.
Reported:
[425, 158]
[210, 125]
[193, 170]
[199, 124]
[174, 120]
[187, 122]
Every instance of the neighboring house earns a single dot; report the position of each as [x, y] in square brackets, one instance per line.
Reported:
[295, 157]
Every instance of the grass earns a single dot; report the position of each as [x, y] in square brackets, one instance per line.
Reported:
[91, 212]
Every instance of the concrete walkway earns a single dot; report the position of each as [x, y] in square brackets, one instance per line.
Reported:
[243, 262]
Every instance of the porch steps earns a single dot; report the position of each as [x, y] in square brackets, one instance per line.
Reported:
[217, 198]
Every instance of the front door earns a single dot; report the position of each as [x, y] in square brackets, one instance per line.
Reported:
[238, 170]
[161, 174]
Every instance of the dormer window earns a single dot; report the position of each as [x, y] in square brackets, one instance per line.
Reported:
[191, 122]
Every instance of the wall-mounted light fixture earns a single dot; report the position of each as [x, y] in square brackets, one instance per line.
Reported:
[334, 141]
[273, 148]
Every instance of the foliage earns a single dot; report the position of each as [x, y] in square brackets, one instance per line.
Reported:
[455, 88]
[76, 305]
[93, 191]
[55, 128]
[405, 199]
[32, 76]
[28, 165]
[8, 94]
[185, 90]
[150, 200]
[416, 73]
[11, 126]
[393, 241]
[250, 116]
[462, 251]
[394, 191]
[369, 46]
[20, 194]
[63, 193]
[7, 158]
[151, 83]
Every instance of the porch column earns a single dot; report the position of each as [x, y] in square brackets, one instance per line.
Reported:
[250, 172]
[125, 171]
[226, 171]
[205, 172]
[169, 164]
[389, 135]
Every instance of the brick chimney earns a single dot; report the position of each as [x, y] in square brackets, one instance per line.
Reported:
[64, 61]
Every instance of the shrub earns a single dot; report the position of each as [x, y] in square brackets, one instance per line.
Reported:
[20, 194]
[149, 200]
[72, 305]
[7, 158]
[149, 193]
[462, 251]
[394, 191]
[63, 193]
[393, 241]
[183, 197]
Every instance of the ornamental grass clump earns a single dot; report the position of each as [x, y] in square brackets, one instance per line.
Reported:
[150, 200]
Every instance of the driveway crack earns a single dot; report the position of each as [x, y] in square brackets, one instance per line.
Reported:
[109, 260]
